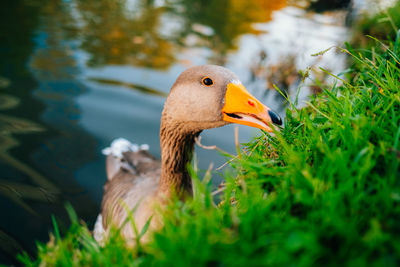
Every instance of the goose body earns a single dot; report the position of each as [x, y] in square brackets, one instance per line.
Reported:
[202, 97]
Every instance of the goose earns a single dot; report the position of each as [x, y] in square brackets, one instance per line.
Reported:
[202, 97]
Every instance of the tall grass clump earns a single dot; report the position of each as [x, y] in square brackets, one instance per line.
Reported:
[323, 190]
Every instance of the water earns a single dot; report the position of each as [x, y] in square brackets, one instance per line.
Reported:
[76, 74]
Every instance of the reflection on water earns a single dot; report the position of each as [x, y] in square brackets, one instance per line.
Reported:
[113, 35]
[151, 34]
[143, 89]
[42, 190]
[76, 74]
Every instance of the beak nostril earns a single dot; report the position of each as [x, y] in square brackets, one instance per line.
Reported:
[275, 117]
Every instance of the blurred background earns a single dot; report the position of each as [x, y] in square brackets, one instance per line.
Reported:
[75, 74]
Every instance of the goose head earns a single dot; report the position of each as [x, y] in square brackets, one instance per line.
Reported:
[211, 96]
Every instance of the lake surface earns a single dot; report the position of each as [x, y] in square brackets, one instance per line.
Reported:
[76, 74]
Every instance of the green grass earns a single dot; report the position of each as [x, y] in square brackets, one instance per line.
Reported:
[324, 190]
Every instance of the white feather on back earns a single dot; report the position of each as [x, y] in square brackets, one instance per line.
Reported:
[121, 145]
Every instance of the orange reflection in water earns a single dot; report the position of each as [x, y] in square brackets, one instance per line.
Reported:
[146, 34]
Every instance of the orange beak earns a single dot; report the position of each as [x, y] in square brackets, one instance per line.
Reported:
[243, 108]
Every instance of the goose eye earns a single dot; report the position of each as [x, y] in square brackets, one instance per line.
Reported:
[207, 81]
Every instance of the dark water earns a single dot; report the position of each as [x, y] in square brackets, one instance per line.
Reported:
[76, 74]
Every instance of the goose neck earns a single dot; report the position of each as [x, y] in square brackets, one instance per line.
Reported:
[177, 146]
